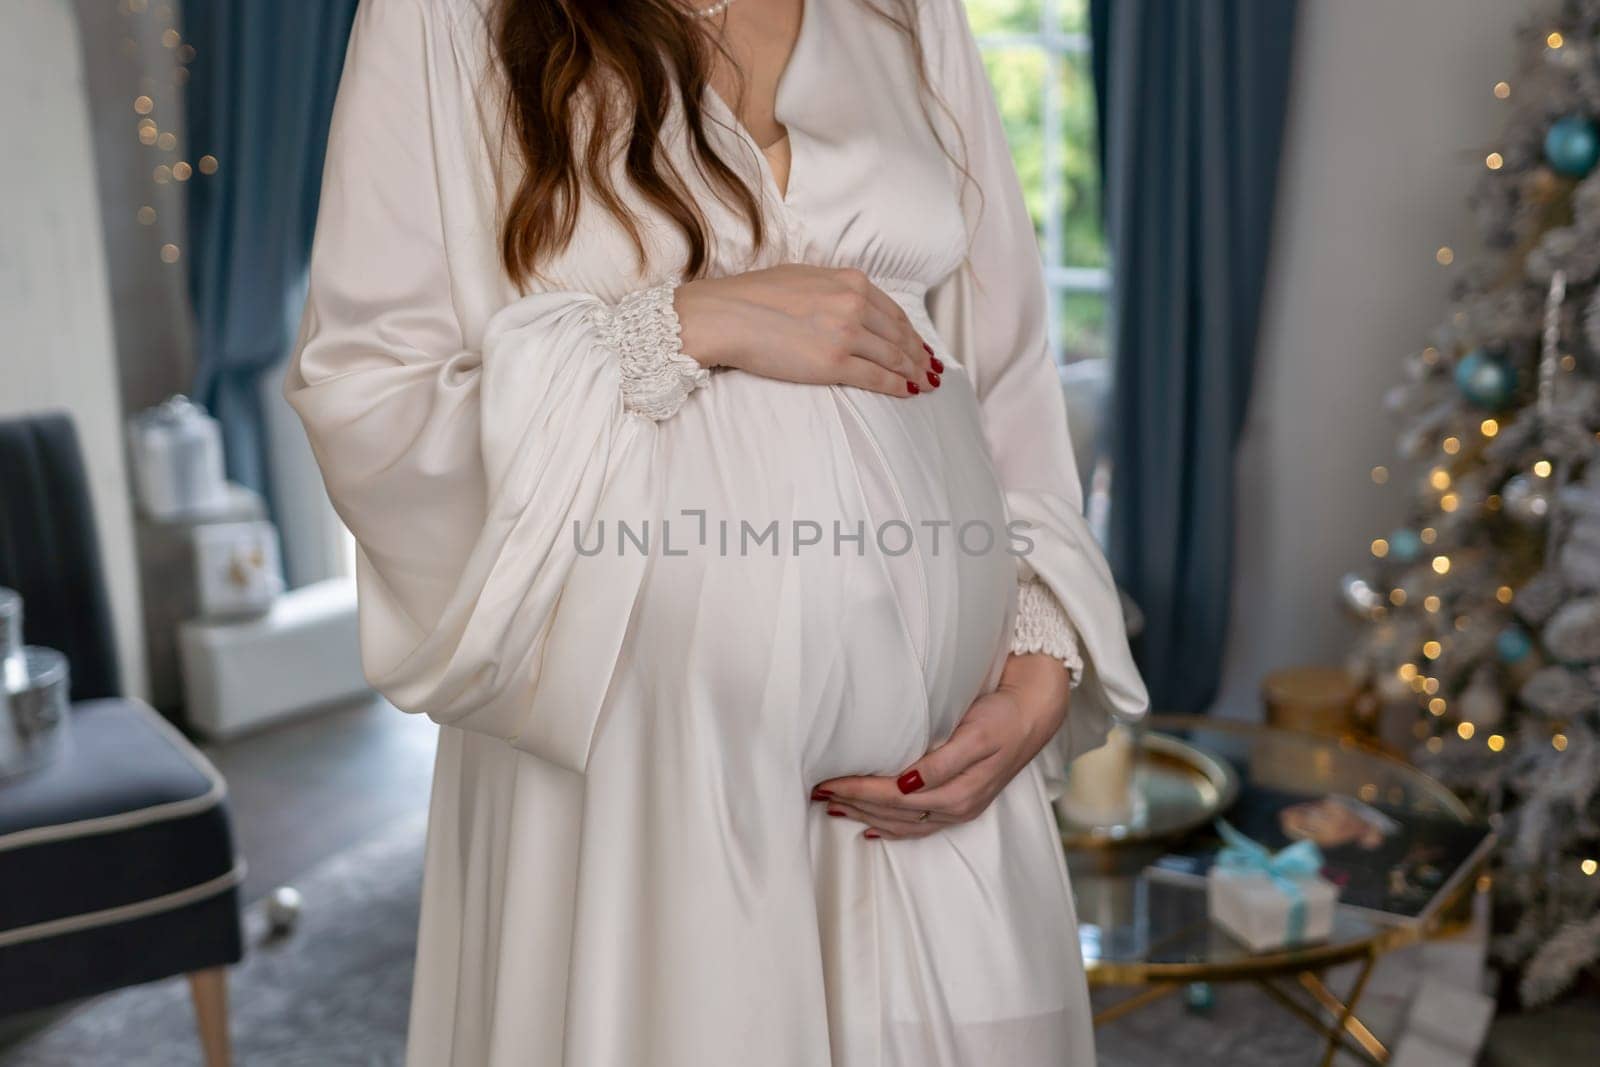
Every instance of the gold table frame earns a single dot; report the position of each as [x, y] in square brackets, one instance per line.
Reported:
[1297, 978]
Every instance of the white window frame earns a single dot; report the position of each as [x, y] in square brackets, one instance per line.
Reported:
[1057, 46]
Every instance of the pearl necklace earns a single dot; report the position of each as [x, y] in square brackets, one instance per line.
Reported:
[711, 11]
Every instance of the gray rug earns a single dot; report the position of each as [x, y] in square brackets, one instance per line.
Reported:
[333, 994]
[336, 992]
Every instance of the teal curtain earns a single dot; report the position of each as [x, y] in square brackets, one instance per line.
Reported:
[259, 99]
[1191, 97]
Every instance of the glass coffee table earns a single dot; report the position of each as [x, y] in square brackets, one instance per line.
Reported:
[1151, 934]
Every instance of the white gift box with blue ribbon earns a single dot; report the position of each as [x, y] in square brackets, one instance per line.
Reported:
[1266, 899]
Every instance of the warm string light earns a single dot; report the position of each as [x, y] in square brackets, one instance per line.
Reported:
[1495, 742]
[1494, 161]
[1559, 742]
[1589, 867]
[1441, 564]
[1465, 731]
[1555, 40]
[1380, 475]
[1445, 256]
[149, 131]
[1502, 90]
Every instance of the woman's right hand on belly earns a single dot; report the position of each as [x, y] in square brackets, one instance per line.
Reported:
[814, 325]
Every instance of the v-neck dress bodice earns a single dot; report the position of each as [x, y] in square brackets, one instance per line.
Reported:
[646, 639]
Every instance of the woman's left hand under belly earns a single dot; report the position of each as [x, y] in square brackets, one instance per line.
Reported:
[958, 780]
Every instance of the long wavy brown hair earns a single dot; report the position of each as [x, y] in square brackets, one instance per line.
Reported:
[636, 57]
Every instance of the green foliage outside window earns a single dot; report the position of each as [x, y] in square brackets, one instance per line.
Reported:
[1018, 70]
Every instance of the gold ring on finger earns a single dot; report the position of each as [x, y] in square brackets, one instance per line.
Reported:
[924, 816]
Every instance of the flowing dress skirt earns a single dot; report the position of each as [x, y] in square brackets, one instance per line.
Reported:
[831, 591]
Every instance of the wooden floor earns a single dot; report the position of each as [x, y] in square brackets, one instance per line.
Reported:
[304, 790]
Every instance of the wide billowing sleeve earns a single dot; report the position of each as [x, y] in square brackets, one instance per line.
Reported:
[992, 312]
[467, 468]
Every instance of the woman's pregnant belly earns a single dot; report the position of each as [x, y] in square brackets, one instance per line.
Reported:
[836, 577]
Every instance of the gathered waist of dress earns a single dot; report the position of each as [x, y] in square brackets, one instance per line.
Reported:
[910, 293]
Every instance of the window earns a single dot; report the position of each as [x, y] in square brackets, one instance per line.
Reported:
[1037, 55]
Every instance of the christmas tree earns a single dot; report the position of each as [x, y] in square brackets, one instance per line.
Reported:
[1482, 636]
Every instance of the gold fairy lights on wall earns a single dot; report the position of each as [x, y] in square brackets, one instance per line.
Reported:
[148, 105]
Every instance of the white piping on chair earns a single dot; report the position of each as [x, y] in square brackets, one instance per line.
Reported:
[127, 820]
[139, 909]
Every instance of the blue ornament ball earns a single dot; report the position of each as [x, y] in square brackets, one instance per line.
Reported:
[1405, 546]
[1485, 379]
[1513, 644]
[1199, 998]
[1572, 145]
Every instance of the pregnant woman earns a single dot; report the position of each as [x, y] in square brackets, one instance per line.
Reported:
[681, 372]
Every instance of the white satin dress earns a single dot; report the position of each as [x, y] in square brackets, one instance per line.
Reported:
[624, 868]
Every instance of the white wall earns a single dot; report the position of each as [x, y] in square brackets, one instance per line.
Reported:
[1391, 114]
[55, 319]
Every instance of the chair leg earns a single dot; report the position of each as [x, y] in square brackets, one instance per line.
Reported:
[209, 990]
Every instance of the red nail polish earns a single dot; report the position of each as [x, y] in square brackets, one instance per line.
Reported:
[872, 834]
[938, 367]
[927, 349]
[911, 387]
[821, 794]
[835, 811]
[909, 782]
[933, 379]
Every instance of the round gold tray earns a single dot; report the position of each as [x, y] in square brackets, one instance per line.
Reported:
[1176, 788]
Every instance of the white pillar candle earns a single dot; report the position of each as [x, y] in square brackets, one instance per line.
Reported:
[1100, 782]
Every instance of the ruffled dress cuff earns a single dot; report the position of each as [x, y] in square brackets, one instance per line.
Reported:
[1043, 626]
[643, 329]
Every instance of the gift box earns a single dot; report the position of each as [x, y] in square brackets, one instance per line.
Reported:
[237, 569]
[233, 672]
[1269, 900]
[176, 452]
[1448, 1023]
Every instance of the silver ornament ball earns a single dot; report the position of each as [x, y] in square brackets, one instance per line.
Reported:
[1363, 601]
[1526, 499]
[283, 910]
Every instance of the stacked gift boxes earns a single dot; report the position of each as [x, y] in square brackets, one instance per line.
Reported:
[223, 629]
